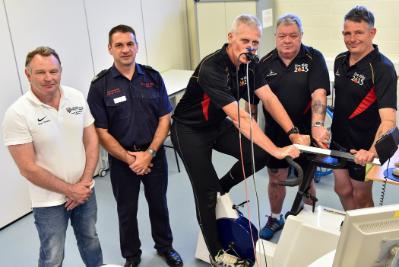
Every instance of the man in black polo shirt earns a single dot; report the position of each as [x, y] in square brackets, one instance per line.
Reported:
[365, 105]
[132, 117]
[200, 125]
[298, 76]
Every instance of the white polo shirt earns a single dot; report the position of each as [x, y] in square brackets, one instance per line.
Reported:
[57, 137]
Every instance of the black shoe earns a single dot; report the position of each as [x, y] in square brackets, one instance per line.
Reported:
[172, 257]
[133, 262]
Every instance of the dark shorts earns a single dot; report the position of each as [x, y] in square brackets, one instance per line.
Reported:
[356, 172]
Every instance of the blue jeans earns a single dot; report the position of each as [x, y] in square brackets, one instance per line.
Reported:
[52, 223]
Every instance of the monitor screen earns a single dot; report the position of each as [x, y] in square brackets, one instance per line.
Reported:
[369, 238]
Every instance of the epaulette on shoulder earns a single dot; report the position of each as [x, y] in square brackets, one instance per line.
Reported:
[148, 67]
[309, 51]
[99, 75]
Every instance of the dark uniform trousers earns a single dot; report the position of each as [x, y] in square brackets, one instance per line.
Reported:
[126, 187]
[195, 148]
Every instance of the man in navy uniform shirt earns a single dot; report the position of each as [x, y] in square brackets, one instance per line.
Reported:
[298, 76]
[365, 105]
[208, 117]
[132, 117]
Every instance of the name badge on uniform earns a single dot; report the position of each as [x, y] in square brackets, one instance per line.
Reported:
[119, 99]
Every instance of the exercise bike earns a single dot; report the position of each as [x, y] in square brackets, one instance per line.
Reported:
[315, 231]
[237, 235]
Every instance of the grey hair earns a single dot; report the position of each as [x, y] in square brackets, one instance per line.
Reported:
[247, 19]
[290, 19]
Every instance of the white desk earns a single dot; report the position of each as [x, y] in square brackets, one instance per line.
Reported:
[176, 80]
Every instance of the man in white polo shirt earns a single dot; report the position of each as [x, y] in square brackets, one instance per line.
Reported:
[50, 134]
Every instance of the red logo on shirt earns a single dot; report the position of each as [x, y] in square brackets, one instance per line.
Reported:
[147, 84]
[113, 91]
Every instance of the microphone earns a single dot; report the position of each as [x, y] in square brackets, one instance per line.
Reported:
[250, 56]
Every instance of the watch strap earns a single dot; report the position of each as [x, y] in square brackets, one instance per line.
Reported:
[152, 152]
[294, 130]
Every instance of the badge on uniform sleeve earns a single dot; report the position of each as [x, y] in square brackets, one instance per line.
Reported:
[120, 99]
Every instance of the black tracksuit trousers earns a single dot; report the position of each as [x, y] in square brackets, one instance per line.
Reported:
[195, 148]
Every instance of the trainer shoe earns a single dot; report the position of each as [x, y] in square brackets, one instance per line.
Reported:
[223, 259]
[272, 226]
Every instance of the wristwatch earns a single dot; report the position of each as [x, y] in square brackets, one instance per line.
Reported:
[294, 130]
[152, 152]
[318, 124]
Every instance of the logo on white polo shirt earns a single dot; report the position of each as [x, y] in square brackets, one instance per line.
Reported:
[76, 110]
[358, 78]
[42, 120]
[301, 67]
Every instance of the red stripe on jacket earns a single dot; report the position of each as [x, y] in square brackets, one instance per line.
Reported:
[367, 101]
[205, 105]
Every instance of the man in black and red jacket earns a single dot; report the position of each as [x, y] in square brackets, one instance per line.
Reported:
[207, 118]
[365, 105]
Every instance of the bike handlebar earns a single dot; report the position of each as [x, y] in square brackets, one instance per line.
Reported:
[296, 181]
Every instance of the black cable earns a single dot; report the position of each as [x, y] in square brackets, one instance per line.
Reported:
[251, 141]
[332, 96]
[384, 185]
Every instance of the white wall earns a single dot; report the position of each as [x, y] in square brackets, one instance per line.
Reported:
[78, 31]
[14, 196]
[59, 24]
[102, 15]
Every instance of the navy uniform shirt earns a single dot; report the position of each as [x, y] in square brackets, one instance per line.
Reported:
[213, 86]
[361, 90]
[129, 109]
[294, 85]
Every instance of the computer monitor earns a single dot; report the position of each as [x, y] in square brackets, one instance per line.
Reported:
[369, 238]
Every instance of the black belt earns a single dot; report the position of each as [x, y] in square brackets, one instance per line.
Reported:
[136, 148]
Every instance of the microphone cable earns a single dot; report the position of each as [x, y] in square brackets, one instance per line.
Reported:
[251, 58]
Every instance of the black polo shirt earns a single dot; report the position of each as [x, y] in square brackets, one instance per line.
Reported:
[129, 109]
[361, 90]
[294, 85]
[213, 86]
